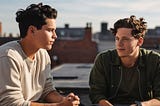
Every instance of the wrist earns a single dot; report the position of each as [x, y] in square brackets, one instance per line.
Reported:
[104, 102]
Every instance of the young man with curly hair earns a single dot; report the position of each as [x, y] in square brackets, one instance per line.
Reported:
[128, 75]
[25, 65]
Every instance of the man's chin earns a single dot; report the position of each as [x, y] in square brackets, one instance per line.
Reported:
[48, 48]
[122, 55]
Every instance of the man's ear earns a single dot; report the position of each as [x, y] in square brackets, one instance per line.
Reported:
[32, 29]
[140, 41]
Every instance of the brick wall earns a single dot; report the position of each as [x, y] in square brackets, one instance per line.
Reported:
[152, 43]
[74, 51]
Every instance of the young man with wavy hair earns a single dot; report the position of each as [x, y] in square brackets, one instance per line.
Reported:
[25, 65]
[128, 75]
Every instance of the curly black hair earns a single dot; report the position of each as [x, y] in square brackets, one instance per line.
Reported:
[139, 26]
[35, 15]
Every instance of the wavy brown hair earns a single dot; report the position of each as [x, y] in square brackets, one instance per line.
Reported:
[36, 15]
[138, 25]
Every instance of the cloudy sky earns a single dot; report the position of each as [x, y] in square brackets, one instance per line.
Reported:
[77, 13]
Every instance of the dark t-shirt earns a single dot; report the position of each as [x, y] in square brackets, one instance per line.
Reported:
[128, 90]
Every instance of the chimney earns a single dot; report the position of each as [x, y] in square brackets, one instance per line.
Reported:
[0, 29]
[88, 25]
[88, 32]
[104, 27]
[66, 25]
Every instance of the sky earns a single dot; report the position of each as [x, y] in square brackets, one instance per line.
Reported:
[77, 13]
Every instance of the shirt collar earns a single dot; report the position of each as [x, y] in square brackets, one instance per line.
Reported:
[117, 62]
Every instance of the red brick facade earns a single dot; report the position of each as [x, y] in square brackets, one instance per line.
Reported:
[152, 43]
[74, 51]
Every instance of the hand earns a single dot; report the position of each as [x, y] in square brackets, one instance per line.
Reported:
[71, 100]
[104, 102]
[71, 96]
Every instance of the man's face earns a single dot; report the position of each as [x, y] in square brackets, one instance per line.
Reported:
[126, 44]
[45, 37]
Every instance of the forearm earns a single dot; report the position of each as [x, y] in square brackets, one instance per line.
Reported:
[152, 102]
[44, 104]
[54, 97]
[96, 95]
[104, 102]
[69, 100]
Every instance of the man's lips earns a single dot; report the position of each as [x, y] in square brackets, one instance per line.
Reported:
[120, 49]
[51, 42]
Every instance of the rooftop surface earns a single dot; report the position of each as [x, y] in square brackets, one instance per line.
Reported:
[72, 75]
[73, 78]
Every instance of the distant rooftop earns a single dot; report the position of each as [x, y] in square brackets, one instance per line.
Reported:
[70, 33]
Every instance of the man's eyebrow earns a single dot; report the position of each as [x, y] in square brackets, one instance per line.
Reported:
[51, 28]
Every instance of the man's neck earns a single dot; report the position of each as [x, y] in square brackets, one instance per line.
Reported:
[29, 50]
[128, 62]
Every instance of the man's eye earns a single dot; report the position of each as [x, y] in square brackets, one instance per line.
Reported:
[50, 30]
[125, 39]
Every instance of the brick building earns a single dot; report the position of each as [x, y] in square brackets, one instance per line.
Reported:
[152, 42]
[74, 45]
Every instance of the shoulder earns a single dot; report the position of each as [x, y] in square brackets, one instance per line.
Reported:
[108, 53]
[10, 49]
[108, 56]
[149, 52]
[150, 56]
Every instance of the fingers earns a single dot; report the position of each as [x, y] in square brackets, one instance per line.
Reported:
[76, 97]
[73, 99]
[72, 96]
[76, 102]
